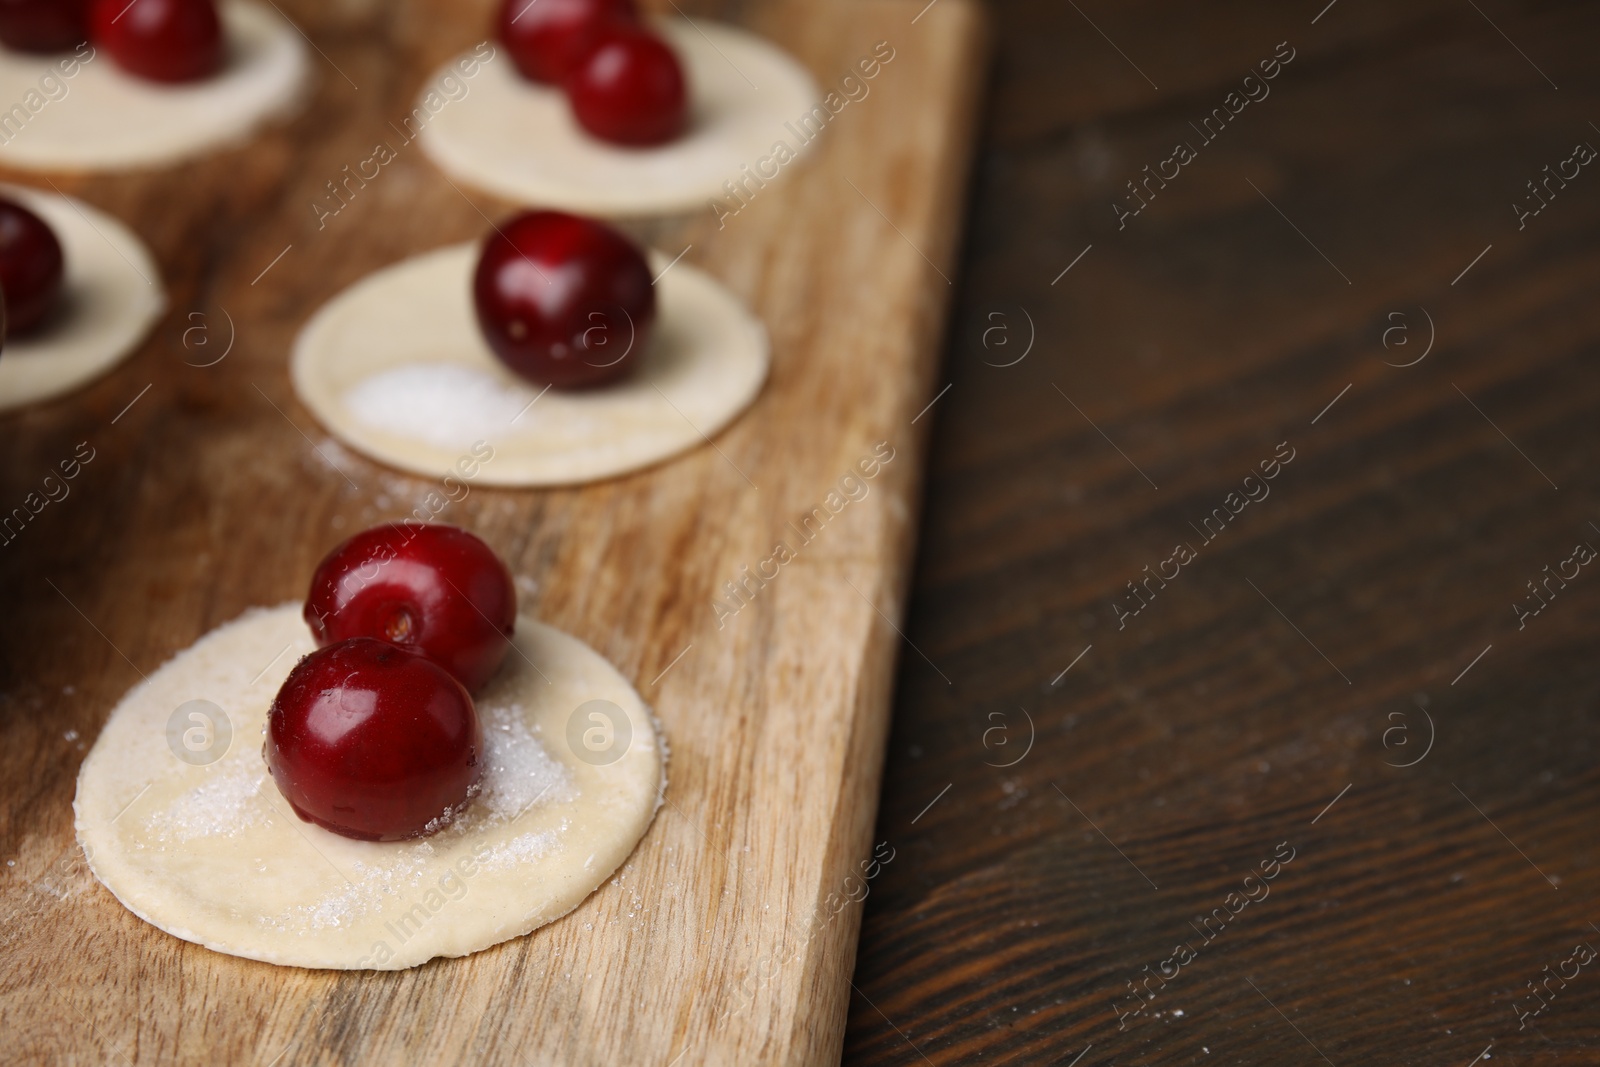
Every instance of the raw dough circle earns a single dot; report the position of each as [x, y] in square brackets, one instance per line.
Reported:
[519, 140]
[396, 367]
[111, 297]
[105, 119]
[211, 853]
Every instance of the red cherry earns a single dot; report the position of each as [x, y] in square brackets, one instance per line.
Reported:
[435, 590]
[162, 40]
[373, 742]
[44, 25]
[630, 89]
[547, 38]
[31, 267]
[563, 300]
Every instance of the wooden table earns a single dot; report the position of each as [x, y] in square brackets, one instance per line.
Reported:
[205, 488]
[1341, 673]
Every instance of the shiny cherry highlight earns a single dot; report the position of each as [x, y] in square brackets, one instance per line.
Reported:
[435, 590]
[44, 25]
[162, 40]
[548, 38]
[564, 301]
[630, 88]
[31, 268]
[373, 742]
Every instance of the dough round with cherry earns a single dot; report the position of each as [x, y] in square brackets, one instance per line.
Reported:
[567, 362]
[522, 141]
[110, 296]
[113, 104]
[211, 852]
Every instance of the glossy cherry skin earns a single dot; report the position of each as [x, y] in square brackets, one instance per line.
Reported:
[162, 40]
[630, 89]
[564, 301]
[547, 38]
[44, 25]
[435, 590]
[373, 742]
[31, 267]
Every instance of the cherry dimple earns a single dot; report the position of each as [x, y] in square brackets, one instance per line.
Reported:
[400, 628]
[436, 590]
[564, 301]
[374, 742]
[162, 40]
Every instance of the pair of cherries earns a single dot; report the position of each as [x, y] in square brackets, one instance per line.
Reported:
[374, 736]
[162, 40]
[624, 83]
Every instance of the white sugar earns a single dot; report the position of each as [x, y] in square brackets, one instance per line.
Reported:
[519, 772]
[369, 888]
[525, 848]
[329, 453]
[520, 775]
[223, 805]
[444, 404]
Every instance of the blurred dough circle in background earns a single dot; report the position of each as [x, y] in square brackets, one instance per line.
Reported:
[78, 111]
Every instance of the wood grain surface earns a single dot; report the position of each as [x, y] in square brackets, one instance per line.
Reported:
[210, 490]
[1275, 689]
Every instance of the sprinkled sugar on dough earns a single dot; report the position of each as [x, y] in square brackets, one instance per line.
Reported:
[212, 854]
[519, 772]
[396, 368]
[224, 804]
[443, 404]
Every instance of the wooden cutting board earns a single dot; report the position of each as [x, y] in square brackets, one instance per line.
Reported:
[729, 937]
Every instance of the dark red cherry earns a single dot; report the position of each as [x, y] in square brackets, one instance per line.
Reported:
[630, 89]
[373, 742]
[31, 267]
[433, 589]
[547, 38]
[44, 25]
[564, 301]
[162, 40]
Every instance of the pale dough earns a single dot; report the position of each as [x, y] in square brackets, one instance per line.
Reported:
[396, 367]
[110, 299]
[109, 119]
[212, 853]
[518, 139]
